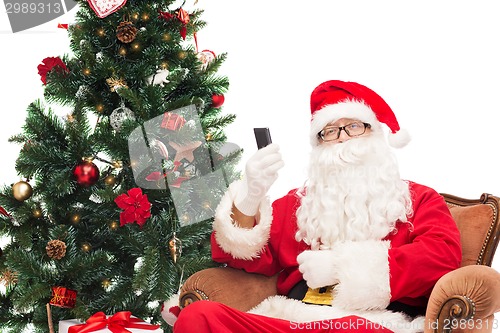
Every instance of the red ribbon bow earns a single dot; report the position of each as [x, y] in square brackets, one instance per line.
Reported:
[118, 323]
[181, 15]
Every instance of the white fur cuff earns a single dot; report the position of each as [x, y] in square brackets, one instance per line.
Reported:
[363, 274]
[241, 243]
[168, 316]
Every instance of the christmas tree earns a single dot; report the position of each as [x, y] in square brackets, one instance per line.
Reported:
[116, 197]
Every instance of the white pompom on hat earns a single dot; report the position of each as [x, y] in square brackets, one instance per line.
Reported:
[335, 99]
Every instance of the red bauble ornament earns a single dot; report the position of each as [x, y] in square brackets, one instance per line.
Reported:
[217, 100]
[86, 173]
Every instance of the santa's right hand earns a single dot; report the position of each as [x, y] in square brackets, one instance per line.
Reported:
[261, 172]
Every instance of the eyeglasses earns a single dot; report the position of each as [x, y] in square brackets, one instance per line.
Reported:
[333, 132]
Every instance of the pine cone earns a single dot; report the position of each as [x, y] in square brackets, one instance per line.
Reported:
[126, 32]
[56, 249]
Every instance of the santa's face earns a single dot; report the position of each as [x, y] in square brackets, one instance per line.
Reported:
[342, 130]
[354, 191]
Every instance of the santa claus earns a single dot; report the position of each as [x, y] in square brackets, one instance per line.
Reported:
[357, 248]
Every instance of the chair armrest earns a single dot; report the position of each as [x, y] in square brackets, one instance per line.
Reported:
[233, 287]
[464, 299]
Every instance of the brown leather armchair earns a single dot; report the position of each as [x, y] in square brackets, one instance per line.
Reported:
[463, 300]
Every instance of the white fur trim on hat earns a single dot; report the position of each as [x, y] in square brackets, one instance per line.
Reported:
[348, 109]
[363, 274]
[399, 139]
[241, 243]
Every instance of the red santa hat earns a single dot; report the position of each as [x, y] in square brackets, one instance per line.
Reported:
[335, 99]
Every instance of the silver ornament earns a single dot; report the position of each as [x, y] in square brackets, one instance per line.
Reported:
[119, 115]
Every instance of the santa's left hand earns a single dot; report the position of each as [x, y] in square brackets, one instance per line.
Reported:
[318, 268]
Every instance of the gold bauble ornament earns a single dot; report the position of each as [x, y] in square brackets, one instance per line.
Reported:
[22, 190]
[167, 37]
[175, 247]
[110, 180]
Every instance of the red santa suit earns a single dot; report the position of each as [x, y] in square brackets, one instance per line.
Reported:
[403, 267]
[372, 274]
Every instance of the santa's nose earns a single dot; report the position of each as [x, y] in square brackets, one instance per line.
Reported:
[343, 137]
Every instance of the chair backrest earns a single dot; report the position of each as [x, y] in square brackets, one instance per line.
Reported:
[479, 225]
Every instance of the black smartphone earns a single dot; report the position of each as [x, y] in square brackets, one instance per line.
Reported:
[262, 136]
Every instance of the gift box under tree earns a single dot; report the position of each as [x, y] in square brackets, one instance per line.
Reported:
[120, 322]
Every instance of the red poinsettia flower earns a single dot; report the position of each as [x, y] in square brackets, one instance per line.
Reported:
[135, 205]
[49, 64]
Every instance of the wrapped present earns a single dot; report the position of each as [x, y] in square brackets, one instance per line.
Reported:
[63, 297]
[120, 322]
[172, 121]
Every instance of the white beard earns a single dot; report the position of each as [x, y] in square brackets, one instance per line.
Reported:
[354, 192]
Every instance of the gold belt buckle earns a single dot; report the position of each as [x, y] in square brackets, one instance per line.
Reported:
[319, 296]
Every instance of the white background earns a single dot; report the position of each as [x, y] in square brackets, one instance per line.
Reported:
[436, 63]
